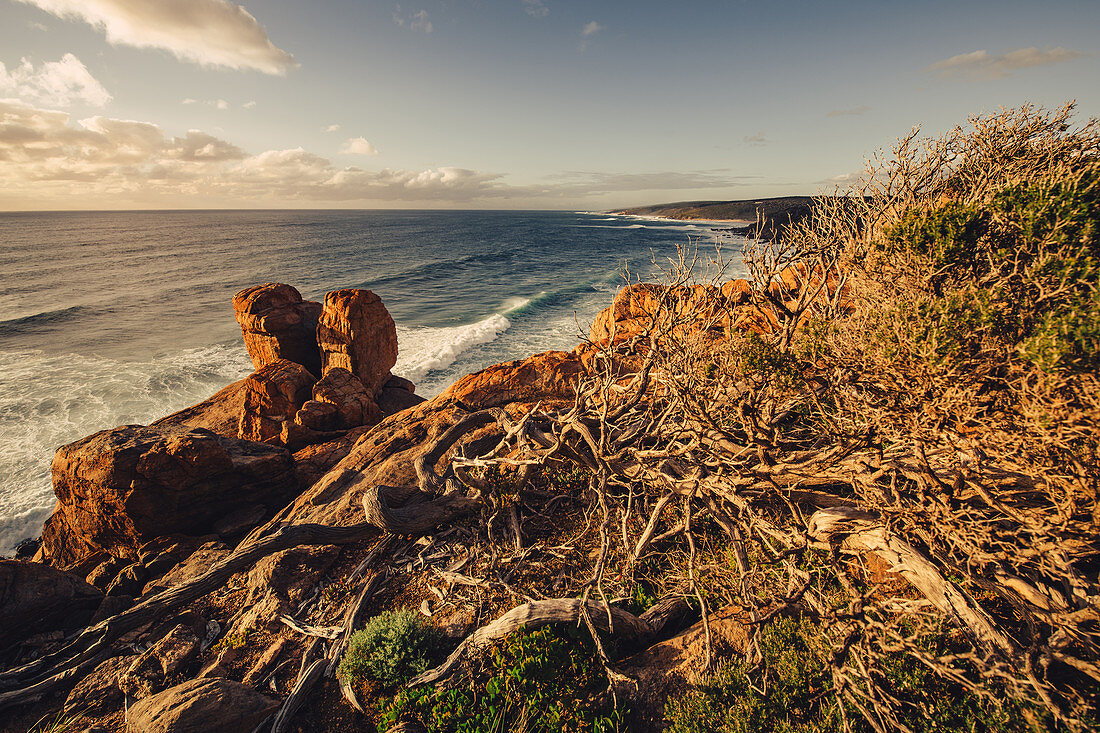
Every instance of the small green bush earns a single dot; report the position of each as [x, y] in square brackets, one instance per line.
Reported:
[392, 648]
[544, 680]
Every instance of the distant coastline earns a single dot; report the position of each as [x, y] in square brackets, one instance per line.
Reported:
[750, 217]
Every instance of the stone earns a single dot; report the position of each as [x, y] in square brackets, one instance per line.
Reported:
[392, 400]
[549, 376]
[272, 397]
[396, 382]
[111, 606]
[291, 573]
[278, 324]
[147, 673]
[220, 665]
[240, 521]
[201, 706]
[129, 581]
[220, 414]
[317, 415]
[163, 562]
[314, 461]
[120, 488]
[266, 662]
[195, 565]
[670, 667]
[35, 598]
[102, 575]
[98, 694]
[737, 292]
[26, 548]
[355, 332]
[354, 404]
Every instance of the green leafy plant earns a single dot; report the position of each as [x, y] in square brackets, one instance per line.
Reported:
[544, 680]
[392, 648]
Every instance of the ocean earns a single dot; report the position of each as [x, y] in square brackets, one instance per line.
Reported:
[113, 318]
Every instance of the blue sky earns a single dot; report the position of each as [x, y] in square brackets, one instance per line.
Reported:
[122, 104]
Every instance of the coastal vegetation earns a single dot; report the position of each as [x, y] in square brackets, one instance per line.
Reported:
[857, 491]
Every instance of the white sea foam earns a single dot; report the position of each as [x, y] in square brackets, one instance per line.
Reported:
[424, 350]
[50, 400]
[514, 304]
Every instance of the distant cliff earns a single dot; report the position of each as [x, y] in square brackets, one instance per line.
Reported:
[773, 213]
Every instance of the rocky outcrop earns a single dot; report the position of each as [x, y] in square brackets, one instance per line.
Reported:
[272, 397]
[200, 706]
[36, 599]
[551, 375]
[354, 403]
[146, 675]
[219, 414]
[278, 324]
[120, 488]
[98, 693]
[355, 332]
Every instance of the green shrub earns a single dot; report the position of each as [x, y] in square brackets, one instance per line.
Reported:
[392, 648]
[544, 680]
[798, 695]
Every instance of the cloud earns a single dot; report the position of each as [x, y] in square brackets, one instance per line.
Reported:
[250, 104]
[855, 111]
[535, 8]
[358, 146]
[49, 159]
[217, 103]
[221, 104]
[206, 32]
[190, 100]
[330, 128]
[981, 65]
[591, 28]
[756, 140]
[34, 25]
[418, 21]
[56, 83]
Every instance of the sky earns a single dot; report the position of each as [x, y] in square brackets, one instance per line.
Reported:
[501, 104]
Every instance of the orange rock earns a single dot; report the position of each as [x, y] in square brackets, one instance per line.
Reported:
[119, 489]
[736, 292]
[278, 324]
[272, 396]
[354, 405]
[551, 375]
[355, 332]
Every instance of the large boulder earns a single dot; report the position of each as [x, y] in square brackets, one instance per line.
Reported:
[278, 324]
[220, 413]
[549, 376]
[354, 404]
[355, 332]
[36, 598]
[200, 706]
[120, 488]
[272, 397]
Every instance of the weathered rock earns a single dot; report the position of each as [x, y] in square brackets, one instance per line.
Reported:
[195, 565]
[163, 562]
[291, 573]
[219, 414]
[129, 581]
[314, 461]
[147, 674]
[98, 694]
[278, 324]
[392, 400]
[102, 575]
[120, 488]
[200, 706]
[36, 598]
[266, 662]
[354, 404]
[240, 521]
[670, 667]
[355, 332]
[317, 415]
[260, 615]
[551, 375]
[111, 605]
[396, 382]
[220, 665]
[25, 549]
[272, 397]
[736, 292]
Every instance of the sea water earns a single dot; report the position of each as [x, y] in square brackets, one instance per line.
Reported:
[113, 318]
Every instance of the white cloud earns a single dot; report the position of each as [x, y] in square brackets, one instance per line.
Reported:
[34, 25]
[221, 104]
[189, 100]
[853, 112]
[56, 83]
[981, 65]
[250, 104]
[330, 128]
[756, 140]
[418, 21]
[358, 146]
[535, 8]
[207, 32]
[591, 28]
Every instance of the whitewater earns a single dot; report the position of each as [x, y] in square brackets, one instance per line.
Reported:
[113, 318]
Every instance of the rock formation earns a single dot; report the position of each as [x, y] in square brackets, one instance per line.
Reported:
[35, 599]
[272, 397]
[354, 403]
[120, 488]
[278, 324]
[355, 332]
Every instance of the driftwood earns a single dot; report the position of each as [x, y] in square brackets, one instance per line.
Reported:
[609, 619]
